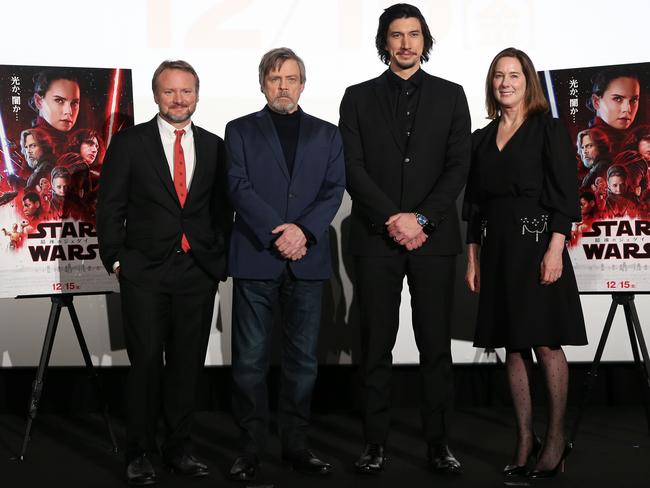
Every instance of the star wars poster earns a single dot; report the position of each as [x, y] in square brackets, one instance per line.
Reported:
[607, 112]
[55, 125]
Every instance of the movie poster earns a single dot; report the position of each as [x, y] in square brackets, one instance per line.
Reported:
[55, 125]
[607, 112]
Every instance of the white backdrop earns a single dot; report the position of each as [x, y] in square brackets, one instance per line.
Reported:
[225, 39]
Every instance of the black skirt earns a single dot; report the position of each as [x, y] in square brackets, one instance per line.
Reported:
[515, 310]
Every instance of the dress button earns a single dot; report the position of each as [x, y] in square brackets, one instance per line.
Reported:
[291, 195]
[407, 160]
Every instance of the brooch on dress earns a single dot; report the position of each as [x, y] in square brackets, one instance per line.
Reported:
[535, 226]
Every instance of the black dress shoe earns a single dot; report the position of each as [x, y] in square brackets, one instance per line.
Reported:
[139, 472]
[372, 460]
[187, 465]
[306, 462]
[442, 460]
[244, 468]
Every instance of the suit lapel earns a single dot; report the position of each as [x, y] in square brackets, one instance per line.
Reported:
[265, 124]
[199, 164]
[154, 147]
[384, 98]
[305, 132]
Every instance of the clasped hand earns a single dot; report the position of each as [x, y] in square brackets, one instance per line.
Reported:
[292, 243]
[404, 229]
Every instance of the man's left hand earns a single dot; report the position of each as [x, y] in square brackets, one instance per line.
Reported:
[291, 240]
[403, 227]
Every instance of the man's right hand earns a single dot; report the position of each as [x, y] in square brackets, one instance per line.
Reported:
[416, 242]
[298, 254]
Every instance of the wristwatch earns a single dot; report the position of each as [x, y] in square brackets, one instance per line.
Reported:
[427, 226]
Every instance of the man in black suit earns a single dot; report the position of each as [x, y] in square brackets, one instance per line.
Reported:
[406, 137]
[163, 223]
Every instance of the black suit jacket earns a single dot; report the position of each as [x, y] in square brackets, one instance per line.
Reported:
[139, 218]
[385, 178]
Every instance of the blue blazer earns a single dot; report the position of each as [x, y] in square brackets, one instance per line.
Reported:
[265, 195]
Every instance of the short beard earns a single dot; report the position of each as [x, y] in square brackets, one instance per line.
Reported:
[282, 108]
[406, 66]
[173, 119]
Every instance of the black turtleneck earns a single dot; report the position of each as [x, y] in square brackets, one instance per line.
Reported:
[287, 126]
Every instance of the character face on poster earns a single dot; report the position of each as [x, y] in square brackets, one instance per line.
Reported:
[55, 124]
[607, 111]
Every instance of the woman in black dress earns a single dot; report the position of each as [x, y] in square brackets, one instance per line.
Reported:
[520, 200]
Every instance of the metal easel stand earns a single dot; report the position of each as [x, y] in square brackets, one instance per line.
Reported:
[58, 303]
[639, 350]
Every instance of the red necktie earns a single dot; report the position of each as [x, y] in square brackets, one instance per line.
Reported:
[179, 179]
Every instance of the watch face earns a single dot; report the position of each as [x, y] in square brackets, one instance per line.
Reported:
[422, 220]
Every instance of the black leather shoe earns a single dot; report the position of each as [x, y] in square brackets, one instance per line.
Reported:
[139, 472]
[372, 460]
[187, 465]
[306, 462]
[442, 460]
[244, 468]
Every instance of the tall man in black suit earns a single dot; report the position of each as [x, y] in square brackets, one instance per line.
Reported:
[163, 223]
[406, 137]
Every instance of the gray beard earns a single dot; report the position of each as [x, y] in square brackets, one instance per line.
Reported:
[282, 108]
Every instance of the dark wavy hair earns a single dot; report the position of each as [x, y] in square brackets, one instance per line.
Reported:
[601, 81]
[401, 11]
[80, 136]
[43, 80]
[641, 133]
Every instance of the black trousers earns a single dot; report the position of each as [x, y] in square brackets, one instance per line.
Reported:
[166, 331]
[378, 288]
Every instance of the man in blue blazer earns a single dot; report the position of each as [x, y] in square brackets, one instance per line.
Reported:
[286, 177]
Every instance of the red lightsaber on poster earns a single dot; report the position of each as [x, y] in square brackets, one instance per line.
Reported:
[113, 103]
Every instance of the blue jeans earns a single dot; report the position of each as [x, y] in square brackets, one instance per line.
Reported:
[254, 302]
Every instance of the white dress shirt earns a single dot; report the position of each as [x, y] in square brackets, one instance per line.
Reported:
[168, 138]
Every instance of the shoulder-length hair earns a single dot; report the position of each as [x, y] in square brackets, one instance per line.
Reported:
[534, 100]
[401, 11]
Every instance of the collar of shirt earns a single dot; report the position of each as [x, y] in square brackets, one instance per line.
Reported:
[168, 131]
[399, 83]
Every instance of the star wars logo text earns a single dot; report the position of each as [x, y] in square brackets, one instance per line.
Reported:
[617, 239]
[64, 241]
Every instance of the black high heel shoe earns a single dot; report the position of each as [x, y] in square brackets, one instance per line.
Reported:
[559, 468]
[516, 470]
